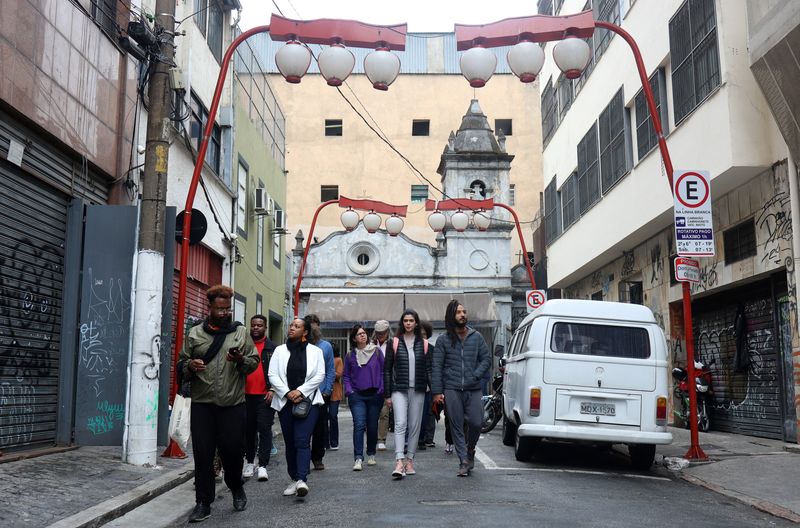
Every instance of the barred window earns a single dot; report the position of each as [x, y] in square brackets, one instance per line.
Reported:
[588, 170]
[545, 7]
[419, 193]
[569, 200]
[565, 95]
[216, 25]
[197, 124]
[646, 139]
[333, 127]
[694, 54]
[740, 241]
[613, 152]
[552, 213]
[608, 11]
[549, 112]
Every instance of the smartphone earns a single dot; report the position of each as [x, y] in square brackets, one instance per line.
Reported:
[234, 351]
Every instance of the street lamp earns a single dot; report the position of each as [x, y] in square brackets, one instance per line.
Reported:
[437, 220]
[336, 63]
[381, 67]
[372, 222]
[394, 224]
[293, 61]
[525, 59]
[350, 219]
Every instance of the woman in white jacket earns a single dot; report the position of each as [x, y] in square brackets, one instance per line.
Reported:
[296, 371]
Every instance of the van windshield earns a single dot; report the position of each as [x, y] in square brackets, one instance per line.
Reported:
[600, 340]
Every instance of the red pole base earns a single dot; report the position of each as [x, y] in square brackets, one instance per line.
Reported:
[695, 452]
[173, 451]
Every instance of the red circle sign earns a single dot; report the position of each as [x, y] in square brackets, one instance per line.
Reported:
[682, 200]
[535, 298]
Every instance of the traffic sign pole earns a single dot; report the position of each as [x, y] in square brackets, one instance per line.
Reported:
[695, 451]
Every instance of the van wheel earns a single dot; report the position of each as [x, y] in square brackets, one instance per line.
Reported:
[523, 447]
[642, 455]
[509, 432]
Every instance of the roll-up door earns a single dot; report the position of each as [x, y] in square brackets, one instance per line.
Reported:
[32, 233]
[748, 397]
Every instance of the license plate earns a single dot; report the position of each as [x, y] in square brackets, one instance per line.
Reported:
[602, 409]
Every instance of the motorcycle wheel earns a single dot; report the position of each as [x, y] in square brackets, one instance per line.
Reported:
[703, 420]
[490, 417]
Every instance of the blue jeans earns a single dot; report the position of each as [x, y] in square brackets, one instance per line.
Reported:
[365, 411]
[297, 439]
[333, 424]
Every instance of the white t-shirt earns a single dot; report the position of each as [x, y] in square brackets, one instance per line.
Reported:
[412, 365]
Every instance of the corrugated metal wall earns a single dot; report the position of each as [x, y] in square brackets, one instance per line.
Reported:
[748, 401]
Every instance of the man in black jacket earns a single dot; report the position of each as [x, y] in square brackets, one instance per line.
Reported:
[460, 360]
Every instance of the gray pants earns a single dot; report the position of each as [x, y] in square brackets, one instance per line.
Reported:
[464, 406]
[407, 407]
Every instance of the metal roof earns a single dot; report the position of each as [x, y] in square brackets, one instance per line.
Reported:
[425, 53]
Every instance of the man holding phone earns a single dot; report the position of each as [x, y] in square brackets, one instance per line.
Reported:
[217, 356]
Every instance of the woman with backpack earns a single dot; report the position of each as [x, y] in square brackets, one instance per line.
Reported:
[406, 377]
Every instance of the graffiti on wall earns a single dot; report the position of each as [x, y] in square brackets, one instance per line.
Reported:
[774, 222]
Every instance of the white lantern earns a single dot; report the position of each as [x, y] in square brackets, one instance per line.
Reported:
[459, 220]
[477, 66]
[394, 224]
[372, 222]
[437, 221]
[572, 55]
[293, 61]
[381, 67]
[526, 60]
[481, 220]
[336, 63]
[350, 219]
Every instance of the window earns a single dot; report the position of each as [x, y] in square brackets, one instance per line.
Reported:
[197, 125]
[557, 7]
[504, 125]
[419, 193]
[512, 194]
[241, 199]
[740, 241]
[201, 15]
[333, 127]
[597, 296]
[239, 308]
[694, 55]
[631, 292]
[613, 154]
[216, 25]
[545, 7]
[549, 113]
[420, 127]
[328, 192]
[569, 200]
[259, 304]
[565, 94]
[105, 13]
[646, 139]
[552, 213]
[608, 11]
[260, 244]
[600, 340]
[276, 237]
[588, 170]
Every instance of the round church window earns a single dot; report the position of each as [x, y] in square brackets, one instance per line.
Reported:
[363, 258]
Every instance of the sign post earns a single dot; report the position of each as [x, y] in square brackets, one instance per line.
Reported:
[694, 236]
[534, 299]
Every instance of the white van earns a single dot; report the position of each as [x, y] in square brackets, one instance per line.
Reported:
[587, 371]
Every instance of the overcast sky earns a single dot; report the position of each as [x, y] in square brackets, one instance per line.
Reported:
[421, 15]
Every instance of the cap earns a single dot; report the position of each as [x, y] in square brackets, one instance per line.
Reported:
[382, 325]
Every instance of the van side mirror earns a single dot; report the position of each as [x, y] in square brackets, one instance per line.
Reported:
[499, 350]
[502, 362]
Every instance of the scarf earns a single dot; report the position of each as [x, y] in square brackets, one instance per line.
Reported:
[363, 355]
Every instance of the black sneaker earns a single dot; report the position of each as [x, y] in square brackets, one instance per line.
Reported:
[239, 499]
[421, 447]
[463, 470]
[471, 459]
[200, 513]
[430, 443]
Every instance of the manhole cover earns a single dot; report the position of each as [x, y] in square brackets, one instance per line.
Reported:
[444, 502]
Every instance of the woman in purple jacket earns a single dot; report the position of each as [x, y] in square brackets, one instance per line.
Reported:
[363, 386]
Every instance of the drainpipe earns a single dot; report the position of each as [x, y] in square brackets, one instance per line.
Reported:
[794, 193]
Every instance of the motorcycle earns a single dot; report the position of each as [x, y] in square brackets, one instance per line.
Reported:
[493, 404]
[705, 394]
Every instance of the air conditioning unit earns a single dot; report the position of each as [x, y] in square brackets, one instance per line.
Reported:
[262, 202]
[279, 221]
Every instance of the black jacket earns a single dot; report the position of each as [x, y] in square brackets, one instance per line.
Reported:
[459, 366]
[266, 355]
[395, 367]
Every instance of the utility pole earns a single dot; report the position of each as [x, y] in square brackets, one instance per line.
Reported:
[141, 420]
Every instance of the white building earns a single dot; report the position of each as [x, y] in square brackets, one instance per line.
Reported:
[609, 210]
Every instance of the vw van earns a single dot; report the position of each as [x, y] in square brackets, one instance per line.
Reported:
[587, 371]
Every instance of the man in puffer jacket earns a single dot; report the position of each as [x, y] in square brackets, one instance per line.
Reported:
[460, 360]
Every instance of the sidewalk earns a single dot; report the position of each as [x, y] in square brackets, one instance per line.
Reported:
[757, 471]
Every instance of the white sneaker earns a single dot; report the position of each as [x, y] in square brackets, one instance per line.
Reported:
[262, 474]
[334, 448]
[381, 446]
[290, 490]
[357, 465]
[248, 470]
[302, 488]
[371, 460]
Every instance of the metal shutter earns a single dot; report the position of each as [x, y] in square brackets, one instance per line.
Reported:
[32, 233]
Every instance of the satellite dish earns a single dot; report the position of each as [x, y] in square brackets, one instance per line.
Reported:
[197, 227]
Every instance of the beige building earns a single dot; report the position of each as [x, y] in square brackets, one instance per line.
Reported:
[331, 151]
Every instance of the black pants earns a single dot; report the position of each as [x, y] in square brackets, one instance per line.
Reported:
[320, 436]
[260, 417]
[217, 428]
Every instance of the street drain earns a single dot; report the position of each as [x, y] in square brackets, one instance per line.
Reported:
[444, 502]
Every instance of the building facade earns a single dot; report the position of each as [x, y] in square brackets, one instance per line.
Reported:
[608, 208]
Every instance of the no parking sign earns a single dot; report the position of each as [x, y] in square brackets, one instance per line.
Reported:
[534, 299]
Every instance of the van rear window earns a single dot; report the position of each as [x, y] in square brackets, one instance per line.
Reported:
[600, 340]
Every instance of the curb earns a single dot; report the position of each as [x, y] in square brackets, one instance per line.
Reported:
[120, 505]
[765, 506]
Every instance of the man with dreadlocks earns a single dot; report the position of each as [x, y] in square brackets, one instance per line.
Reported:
[460, 359]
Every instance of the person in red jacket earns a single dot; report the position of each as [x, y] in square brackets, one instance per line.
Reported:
[260, 414]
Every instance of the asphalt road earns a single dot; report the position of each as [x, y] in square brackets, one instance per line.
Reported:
[562, 486]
